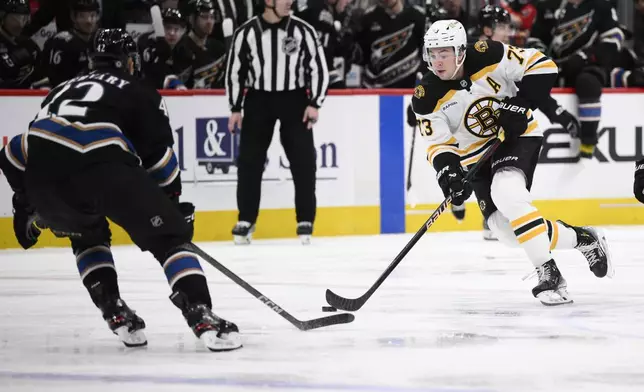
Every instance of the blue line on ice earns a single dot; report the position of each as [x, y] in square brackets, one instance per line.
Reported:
[42, 376]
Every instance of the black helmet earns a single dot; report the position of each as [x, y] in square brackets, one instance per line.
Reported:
[198, 6]
[84, 5]
[15, 7]
[491, 15]
[112, 48]
[435, 13]
[173, 16]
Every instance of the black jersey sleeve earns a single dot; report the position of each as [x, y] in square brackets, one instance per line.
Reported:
[152, 138]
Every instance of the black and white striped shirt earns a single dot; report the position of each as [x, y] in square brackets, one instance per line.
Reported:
[284, 56]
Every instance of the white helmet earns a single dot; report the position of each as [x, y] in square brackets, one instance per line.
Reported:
[446, 33]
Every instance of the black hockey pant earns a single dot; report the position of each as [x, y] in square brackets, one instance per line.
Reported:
[79, 204]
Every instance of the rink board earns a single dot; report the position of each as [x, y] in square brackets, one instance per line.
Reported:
[363, 145]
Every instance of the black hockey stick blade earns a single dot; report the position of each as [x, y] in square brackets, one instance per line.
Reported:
[353, 304]
[343, 318]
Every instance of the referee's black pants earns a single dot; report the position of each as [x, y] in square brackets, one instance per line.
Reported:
[262, 109]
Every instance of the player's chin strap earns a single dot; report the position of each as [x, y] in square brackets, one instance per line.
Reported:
[458, 66]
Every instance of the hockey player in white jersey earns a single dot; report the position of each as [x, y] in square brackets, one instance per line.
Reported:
[463, 105]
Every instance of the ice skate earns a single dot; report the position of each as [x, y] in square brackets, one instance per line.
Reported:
[591, 242]
[121, 320]
[216, 333]
[243, 233]
[551, 289]
[305, 231]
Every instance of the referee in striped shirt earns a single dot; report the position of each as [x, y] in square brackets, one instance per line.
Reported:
[280, 59]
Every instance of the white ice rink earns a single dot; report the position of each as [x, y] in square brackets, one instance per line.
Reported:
[454, 316]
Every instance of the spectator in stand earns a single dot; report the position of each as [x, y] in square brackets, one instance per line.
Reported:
[59, 10]
[455, 10]
[523, 14]
[327, 17]
[390, 41]
[65, 54]
[19, 54]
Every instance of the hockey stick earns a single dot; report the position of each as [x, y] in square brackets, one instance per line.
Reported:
[352, 305]
[343, 318]
[411, 157]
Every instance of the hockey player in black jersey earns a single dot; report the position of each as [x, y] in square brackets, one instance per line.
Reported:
[326, 17]
[101, 147]
[65, 54]
[584, 39]
[200, 59]
[391, 41]
[157, 53]
[18, 54]
[468, 100]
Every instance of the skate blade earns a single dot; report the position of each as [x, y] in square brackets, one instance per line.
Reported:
[554, 297]
[227, 342]
[242, 239]
[601, 234]
[305, 239]
[131, 339]
[489, 236]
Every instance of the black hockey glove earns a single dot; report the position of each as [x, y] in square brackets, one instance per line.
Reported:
[450, 179]
[187, 209]
[638, 185]
[567, 121]
[24, 222]
[513, 118]
[411, 117]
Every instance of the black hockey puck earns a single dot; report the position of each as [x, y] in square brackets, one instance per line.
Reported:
[329, 309]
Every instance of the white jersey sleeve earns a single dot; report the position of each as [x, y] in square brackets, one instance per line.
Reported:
[519, 63]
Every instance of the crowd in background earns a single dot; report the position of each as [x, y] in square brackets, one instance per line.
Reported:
[369, 44]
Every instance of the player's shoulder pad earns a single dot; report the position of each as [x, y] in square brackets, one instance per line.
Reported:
[428, 93]
[482, 54]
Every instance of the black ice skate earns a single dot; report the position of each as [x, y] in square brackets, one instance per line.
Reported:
[216, 333]
[591, 242]
[122, 320]
[243, 233]
[305, 231]
[551, 289]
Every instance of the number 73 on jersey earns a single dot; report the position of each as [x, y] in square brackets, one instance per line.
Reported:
[425, 126]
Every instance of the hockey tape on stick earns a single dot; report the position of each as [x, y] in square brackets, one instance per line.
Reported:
[354, 304]
[342, 318]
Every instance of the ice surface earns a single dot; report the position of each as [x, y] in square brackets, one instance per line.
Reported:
[454, 316]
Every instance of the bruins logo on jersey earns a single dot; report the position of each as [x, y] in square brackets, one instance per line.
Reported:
[481, 117]
[419, 91]
[481, 46]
